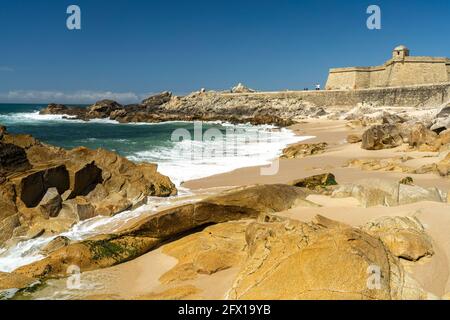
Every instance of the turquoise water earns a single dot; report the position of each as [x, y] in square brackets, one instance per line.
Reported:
[198, 155]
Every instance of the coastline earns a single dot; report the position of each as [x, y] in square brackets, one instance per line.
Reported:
[162, 273]
[142, 276]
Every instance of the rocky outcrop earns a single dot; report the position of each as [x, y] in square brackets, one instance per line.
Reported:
[320, 260]
[317, 183]
[201, 106]
[240, 88]
[301, 150]
[381, 137]
[44, 183]
[12, 159]
[103, 109]
[374, 192]
[423, 139]
[405, 237]
[108, 250]
[442, 119]
[157, 100]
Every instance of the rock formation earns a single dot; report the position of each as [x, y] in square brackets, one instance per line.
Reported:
[321, 260]
[301, 150]
[41, 183]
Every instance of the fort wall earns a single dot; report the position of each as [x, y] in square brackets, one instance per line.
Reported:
[401, 70]
[405, 96]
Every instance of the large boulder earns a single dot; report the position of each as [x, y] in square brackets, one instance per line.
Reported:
[381, 137]
[51, 203]
[317, 183]
[77, 209]
[103, 108]
[320, 260]
[301, 150]
[422, 138]
[374, 192]
[442, 119]
[405, 237]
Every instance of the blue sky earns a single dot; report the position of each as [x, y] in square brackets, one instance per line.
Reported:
[127, 49]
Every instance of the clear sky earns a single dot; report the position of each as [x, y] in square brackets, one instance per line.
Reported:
[129, 48]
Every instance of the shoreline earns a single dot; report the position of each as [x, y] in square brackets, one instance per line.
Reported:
[157, 263]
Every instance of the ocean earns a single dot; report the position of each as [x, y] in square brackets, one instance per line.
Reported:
[182, 150]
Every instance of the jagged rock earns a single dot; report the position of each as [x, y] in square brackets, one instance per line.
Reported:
[354, 138]
[374, 192]
[109, 183]
[8, 222]
[301, 150]
[391, 118]
[84, 178]
[51, 203]
[32, 185]
[443, 166]
[103, 109]
[317, 182]
[12, 159]
[77, 209]
[54, 108]
[405, 237]
[57, 243]
[381, 137]
[442, 119]
[240, 88]
[112, 205]
[295, 260]
[157, 99]
[424, 139]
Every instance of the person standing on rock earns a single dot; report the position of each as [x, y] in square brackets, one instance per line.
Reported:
[317, 86]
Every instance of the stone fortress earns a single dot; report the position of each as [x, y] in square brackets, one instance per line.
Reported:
[401, 70]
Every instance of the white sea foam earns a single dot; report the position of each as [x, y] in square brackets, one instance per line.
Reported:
[191, 159]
